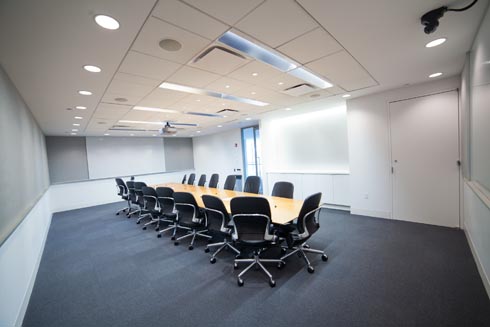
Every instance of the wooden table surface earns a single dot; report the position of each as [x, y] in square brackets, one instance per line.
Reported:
[282, 210]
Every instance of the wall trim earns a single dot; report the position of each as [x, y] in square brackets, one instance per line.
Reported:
[485, 278]
[371, 213]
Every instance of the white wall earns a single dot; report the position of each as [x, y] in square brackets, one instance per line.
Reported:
[20, 256]
[370, 149]
[218, 153]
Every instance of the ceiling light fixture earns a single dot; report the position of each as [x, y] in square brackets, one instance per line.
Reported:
[73, 133]
[435, 43]
[84, 92]
[227, 86]
[280, 83]
[80, 107]
[276, 60]
[198, 131]
[223, 96]
[219, 126]
[76, 124]
[140, 122]
[74, 130]
[346, 96]
[287, 109]
[92, 69]
[170, 45]
[131, 134]
[78, 117]
[107, 134]
[248, 118]
[255, 74]
[154, 109]
[435, 75]
[106, 22]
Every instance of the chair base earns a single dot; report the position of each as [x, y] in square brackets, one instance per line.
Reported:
[174, 226]
[300, 250]
[256, 261]
[122, 210]
[222, 245]
[193, 233]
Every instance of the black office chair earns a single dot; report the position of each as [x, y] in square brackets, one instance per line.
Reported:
[167, 210]
[192, 178]
[151, 205]
[140, 200]
[213, 182]
[251, 223]
[123, 192]
[189, 216]
[252, 184]
[307, 224]
[218, 221]
[133, 199]
[184, 179]
[283, 190]
[230, 182]
[202, 180]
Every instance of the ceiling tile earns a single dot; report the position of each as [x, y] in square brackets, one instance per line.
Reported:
[281, 82]
[221, 84]
[219, 60]
[136, 79]
[111, 99]
[147, 66]
[188, 18]
[230, 11]
[310, 46]
[156, 30]
[161, 98]
[264, 72]
[194, 77]
[119, 86]
[343, 70]
[276, 22]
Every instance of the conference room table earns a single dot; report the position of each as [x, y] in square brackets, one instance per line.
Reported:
[282, 210]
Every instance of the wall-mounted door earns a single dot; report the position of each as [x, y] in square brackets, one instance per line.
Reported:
[425, 159]
[251, 151]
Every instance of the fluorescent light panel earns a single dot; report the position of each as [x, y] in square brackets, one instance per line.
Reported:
[140, 122]
[193, 90]
[154, 109]
[269, 57]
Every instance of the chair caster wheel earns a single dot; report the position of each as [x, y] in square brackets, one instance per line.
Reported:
[212, 260]
[272, 283]
[284, 250]
[280, 265]
[137, 222]
[157, 229]
[324, 257]
[144, 228]
[206, 250]
[159, 235]
[117, 213]
[173, 238]
[311, 270]
[306, 246]
[235, 265]
[240, 282]
[176, 243]
[238, 256]
[191, 247]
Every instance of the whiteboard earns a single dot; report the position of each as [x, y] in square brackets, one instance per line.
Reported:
[124, 156]
[309, 142]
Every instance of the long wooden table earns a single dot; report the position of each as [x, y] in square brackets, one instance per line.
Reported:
[282, 210]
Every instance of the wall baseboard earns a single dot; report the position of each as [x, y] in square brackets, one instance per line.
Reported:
[483, 275]
[370, 213]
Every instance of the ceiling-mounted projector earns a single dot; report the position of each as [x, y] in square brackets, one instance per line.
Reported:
[168, 130]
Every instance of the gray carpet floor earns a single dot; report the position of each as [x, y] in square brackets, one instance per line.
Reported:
[99, 269]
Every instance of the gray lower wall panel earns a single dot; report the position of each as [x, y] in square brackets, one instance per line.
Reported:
[67, 159]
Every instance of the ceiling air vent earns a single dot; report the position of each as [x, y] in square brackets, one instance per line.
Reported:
[299, 90]
[219, 60]
[227, 111]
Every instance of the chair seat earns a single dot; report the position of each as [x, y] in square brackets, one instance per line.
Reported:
[171, 215]
[125, 197]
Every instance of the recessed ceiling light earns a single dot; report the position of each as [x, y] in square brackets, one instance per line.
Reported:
[78, 117]
[121, 99]
[153, 135]
[435, 43]
[198, 100]
[253, 93]
[74, 130]
[80, 107]
[76, 124]
[198, 131]
[170, 45]
[92, 69]
[131, 134]
[435, 75]
[255, 74]
[219, 126]
[227, 86]
[346, 96]
[107, 22]
[287, 109]
[248, 118]
[85, 92]
[224, 116]
[107, 134]
[140, 122]
[280, 83]
[73, 133]
[154, 109]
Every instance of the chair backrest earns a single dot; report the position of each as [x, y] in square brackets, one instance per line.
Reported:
[191, 179]
[121, 187]
[251, 219]
[184, 179]
[283, 190]
[187, 208]
[216, 213]
[213, 182]
[165, 196]
[132, 194]
[138, 190]
[252, 184]
[150, 196]
[307, 219]
[230, 182]
[202, 180]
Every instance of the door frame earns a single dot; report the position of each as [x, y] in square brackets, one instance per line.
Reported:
[460, 171]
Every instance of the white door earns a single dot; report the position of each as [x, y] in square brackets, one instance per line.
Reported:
[425, 154]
